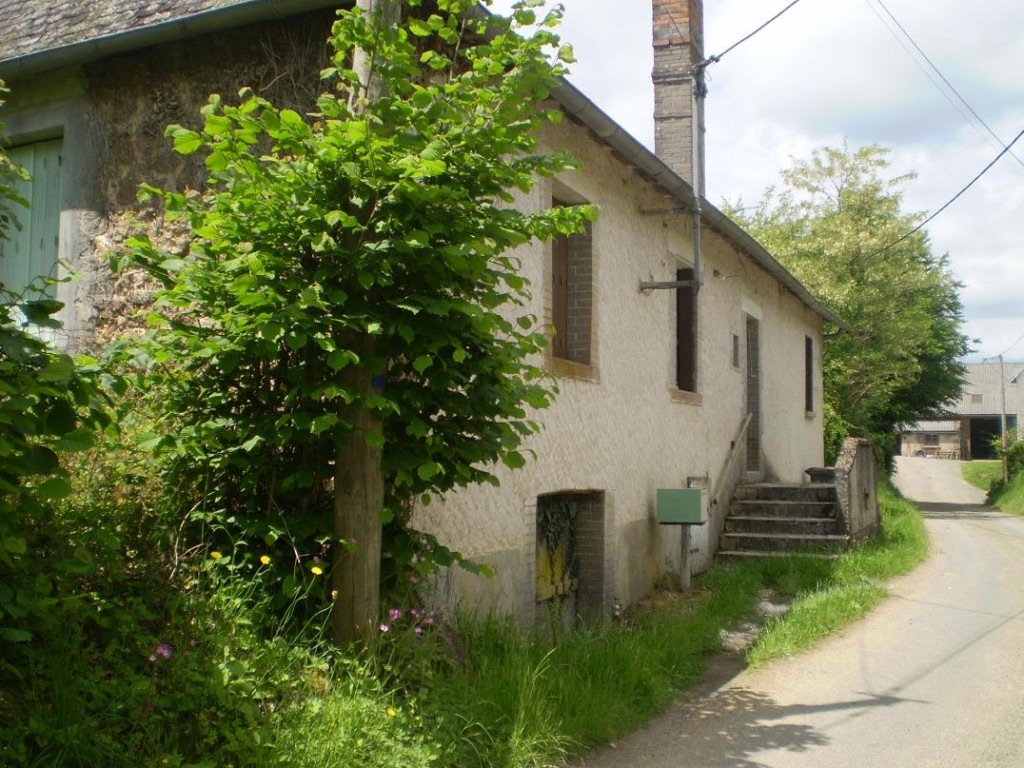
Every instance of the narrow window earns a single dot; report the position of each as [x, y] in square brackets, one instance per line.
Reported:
[31, 250]
[686, 333]
[735, 351]
[572, 295]
[808, 374]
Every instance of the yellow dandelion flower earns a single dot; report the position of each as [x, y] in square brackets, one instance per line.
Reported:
[216, 555]
[316, 570]
[265, 559]
[391, 711]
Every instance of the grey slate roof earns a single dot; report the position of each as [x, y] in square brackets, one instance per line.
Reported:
[32, 26]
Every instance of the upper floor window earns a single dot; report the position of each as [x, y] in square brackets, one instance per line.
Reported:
[808, 374]
[572, 277]
[30, 250]
[686, 332]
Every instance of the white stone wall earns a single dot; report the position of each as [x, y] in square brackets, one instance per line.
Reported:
[619, 426]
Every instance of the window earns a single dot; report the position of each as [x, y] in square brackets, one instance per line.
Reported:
[931, 439]
[572, 295]
[686, 333]
[31, 250]
[808, 374]
[977, 399]
[735, 351]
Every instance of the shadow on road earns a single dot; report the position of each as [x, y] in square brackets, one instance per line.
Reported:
[731, 727]
[935, 510]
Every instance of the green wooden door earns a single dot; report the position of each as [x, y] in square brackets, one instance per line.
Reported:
[31, 249]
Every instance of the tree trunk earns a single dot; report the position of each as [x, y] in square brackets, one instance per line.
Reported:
[358, 475]
[358, 500]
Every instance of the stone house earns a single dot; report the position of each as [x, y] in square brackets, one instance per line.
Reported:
[662, 386]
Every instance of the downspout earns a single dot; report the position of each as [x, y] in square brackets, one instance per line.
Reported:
[697, 92]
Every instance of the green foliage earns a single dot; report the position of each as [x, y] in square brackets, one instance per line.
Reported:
[50, 406]
[1014, 452]
[367, 239]
[836, 431]
[899, 360]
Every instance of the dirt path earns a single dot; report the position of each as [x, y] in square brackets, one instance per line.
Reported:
[932, 678]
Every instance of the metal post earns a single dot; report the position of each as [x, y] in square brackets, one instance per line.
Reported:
[1002, 421]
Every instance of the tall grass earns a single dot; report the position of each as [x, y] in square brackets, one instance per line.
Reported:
[518, 701]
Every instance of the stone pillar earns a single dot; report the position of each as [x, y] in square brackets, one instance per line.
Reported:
[678, 34]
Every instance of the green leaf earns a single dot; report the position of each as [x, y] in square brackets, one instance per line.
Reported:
[60, 369]
[428, 470]
[186, 142]
[81, 439]
[55, 488]
[341, 358]
[421, 363]
[15, 635]
[15, 545]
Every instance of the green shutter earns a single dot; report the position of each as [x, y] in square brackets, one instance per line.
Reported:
[31, 250]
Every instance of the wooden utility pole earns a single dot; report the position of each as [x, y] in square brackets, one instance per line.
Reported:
[358, 474]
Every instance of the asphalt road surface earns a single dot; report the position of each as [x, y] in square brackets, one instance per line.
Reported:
[934, 677]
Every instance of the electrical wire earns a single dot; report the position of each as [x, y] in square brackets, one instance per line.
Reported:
[938, 72]
[715, 59]
[718, 57]
[950, 201]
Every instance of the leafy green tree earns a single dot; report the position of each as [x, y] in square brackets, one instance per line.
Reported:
[347, 332]
[838, 225]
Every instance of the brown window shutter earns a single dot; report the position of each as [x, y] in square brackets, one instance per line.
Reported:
[808, 374]
[686, 333]
[560, 294]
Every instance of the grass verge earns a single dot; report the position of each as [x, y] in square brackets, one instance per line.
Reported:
[1009, 497]
[982, 474]
[988, 476]
[855, 584]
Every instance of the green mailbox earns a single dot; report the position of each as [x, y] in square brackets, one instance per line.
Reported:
[680, 506]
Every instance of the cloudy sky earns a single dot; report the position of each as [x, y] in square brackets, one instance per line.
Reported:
[829, 70]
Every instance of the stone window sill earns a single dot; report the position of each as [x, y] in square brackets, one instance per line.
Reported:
[570, 369]
[686, 398]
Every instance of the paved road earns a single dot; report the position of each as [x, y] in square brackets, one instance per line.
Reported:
[933, 678]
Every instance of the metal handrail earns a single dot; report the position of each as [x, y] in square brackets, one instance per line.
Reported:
[730, 460]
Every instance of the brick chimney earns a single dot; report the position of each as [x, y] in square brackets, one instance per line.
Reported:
[678, 45]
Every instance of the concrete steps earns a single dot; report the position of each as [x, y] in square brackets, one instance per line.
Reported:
[772, 519]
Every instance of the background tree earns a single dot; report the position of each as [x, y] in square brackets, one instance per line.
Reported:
[833, 226]
[350, 282]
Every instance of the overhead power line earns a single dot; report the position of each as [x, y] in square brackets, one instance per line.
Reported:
[718, 57]
[951, 200]
[715, 59]
[951, 88]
